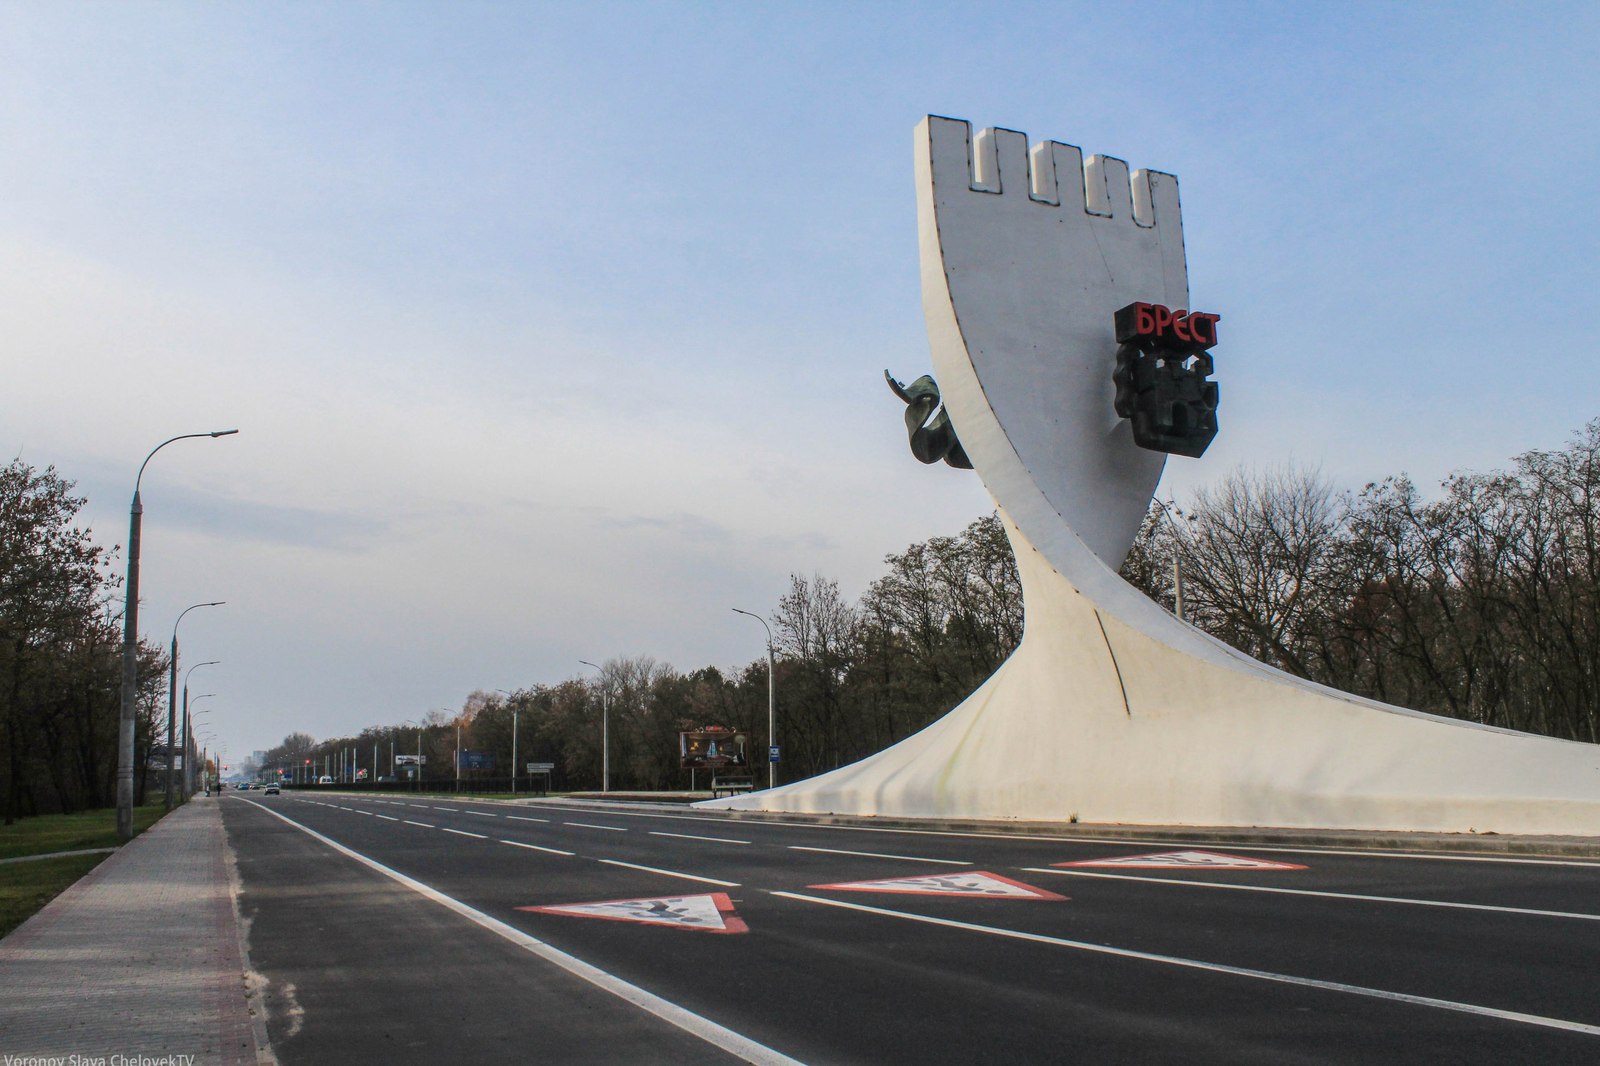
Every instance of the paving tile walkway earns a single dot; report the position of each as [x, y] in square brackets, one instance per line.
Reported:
[141, 958]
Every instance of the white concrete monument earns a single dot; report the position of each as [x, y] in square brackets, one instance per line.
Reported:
[1111, 710]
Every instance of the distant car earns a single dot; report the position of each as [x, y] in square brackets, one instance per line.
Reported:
[271, 789]
[324, 780]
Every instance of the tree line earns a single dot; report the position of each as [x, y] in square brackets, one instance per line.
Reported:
[61, 655]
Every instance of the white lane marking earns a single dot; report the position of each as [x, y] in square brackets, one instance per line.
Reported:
[369, 814]
[481, 814]
[586, 825]
[670, 873]
[1322, 894]
[515, 818]
[424, 825]
[352, 810]
[691, 836]
[705, 1029]
[1305, 849]
[388, 817]
[1216, 967]
[536, 847]
[419, 806]
[452, 810]
[464, 833]
[877, 855]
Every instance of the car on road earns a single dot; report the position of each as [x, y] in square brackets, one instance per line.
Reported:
[271, 789]
[324, 780]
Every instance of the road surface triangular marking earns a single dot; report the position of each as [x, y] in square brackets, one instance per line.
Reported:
[1186, 860]
[966, 883]
[709, 913]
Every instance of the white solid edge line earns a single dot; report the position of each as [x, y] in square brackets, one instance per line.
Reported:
[671, 873]
[1216, 967]
[536, 847]
[691, 836]
[669, 1012]
[464, 833]
[1321, 894]
[879, 855]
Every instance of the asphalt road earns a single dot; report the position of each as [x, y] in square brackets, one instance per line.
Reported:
[397, 930]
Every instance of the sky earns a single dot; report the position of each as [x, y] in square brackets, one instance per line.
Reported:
[554, 331]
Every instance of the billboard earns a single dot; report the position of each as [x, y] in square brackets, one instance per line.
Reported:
[712, 747]
[477, 760]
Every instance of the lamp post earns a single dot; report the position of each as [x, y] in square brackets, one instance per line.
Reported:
[1177, 569]
[188, 734]
[130, 646]
[772, 702]
[172, 694]
[515, 709]
[605, 728]
[198, 715]
[205, 737]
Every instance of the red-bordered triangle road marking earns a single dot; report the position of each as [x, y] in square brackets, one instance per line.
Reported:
[1186, 860]
[966, 883]
[711, 912]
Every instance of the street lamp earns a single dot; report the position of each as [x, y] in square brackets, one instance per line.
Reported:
[515, 709]
[172, 694]
[605, 728]
[772, 703]
[1177, 569]
[130, 646]
[188, 734]
[201, 714]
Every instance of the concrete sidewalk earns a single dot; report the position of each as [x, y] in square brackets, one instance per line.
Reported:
[142, 958]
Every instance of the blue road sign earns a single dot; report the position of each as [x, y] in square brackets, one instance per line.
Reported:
[773, 752]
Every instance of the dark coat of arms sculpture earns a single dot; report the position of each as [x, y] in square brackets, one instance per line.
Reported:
[1162, 377]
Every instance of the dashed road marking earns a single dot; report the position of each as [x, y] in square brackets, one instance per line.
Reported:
[464, 833]
[536, 847]
[587, 825]
[519, 818]
[671, 873]
[691, 836]
[878, 855]
[424, 825]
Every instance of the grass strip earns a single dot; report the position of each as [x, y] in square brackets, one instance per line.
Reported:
[27, 886]
[48, 833]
